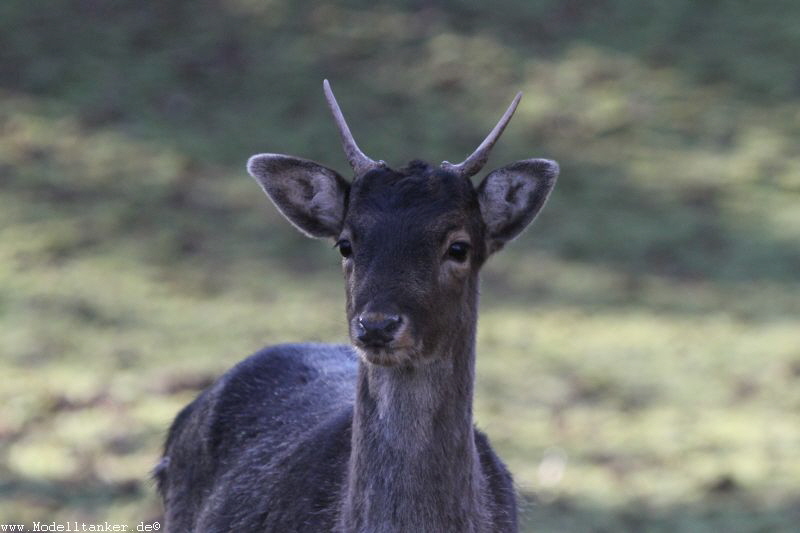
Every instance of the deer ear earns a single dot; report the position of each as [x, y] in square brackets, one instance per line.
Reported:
[512, 196]
[309, 195]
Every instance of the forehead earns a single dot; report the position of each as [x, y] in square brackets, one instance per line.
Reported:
[418, 196]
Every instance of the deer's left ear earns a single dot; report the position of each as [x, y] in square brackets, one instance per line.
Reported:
[512, 196]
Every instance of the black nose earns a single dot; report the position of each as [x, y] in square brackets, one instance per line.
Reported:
[377, 329]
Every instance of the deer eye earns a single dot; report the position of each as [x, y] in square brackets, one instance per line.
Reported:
[345, 248]
[458, 251]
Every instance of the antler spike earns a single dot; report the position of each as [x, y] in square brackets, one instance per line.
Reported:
[475, 162]
[360, 162]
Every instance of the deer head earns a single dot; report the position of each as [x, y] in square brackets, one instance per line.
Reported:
[412, 240]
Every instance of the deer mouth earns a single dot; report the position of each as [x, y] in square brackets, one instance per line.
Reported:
[393, 354]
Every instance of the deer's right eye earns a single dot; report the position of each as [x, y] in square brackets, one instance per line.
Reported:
[345, 248]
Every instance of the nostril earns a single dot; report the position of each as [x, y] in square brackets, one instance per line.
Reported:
[391, 323]
[377, 328]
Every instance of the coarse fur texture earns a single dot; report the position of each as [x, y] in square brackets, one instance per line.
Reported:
[376, 437]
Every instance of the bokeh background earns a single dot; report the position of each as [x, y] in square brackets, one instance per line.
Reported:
[639, 347]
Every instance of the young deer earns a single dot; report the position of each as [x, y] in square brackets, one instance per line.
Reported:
[376, 437]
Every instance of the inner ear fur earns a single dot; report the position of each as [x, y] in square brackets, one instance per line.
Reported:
[311, 196]
[511, 197]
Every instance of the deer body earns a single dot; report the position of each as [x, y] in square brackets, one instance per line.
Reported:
[377, 437]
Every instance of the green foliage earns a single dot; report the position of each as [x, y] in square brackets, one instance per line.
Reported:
[639, 348]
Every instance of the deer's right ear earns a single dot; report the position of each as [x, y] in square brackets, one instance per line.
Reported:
[309, 195]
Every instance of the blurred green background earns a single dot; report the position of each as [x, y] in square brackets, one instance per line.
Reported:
[639, 347]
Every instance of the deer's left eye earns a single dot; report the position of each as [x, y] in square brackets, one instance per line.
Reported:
[458, 251]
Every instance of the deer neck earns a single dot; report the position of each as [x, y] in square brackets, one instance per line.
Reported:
[413, 464]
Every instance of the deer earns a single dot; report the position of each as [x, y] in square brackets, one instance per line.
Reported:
[378, 435]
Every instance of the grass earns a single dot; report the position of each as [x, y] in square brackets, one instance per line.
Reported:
[639, 347]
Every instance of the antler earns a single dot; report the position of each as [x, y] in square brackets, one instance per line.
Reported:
[360, 162]
[474, 163]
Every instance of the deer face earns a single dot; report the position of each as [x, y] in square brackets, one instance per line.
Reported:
[412, 240]
[411, 243]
